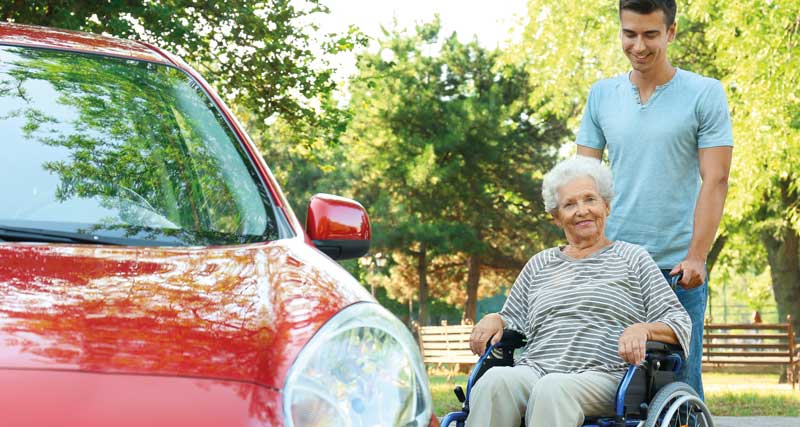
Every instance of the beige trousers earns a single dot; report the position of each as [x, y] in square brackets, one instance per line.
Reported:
[504, 394]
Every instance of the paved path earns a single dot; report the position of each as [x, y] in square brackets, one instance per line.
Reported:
[756, 421]
[753, 421]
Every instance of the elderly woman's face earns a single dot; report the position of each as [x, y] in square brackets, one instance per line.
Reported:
[581, 210]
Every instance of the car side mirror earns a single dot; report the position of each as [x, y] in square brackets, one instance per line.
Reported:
[338, 226]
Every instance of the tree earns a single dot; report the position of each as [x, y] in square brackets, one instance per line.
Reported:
[452, 153]
[565, 49]
[761, 47]
[258, 55]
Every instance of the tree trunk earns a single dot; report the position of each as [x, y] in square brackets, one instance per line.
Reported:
[713, 254]
[783, 256]
[473, 279]
[422, 272]
[784, 263]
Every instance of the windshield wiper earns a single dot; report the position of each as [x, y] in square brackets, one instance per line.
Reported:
[22, 234]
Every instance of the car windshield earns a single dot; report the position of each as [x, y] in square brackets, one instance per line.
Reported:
[123, 151]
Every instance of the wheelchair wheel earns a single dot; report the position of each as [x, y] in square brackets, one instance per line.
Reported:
[677, 405]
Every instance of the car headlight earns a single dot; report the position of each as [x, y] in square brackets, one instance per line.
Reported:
[362, 368]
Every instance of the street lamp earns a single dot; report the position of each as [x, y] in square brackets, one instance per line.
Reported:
[373, 263]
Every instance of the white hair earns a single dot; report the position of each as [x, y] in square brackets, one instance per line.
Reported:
[572, 168]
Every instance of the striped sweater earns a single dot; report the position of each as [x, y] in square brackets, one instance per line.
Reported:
[573, 311]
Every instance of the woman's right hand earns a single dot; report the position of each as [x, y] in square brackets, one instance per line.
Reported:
[489, 328]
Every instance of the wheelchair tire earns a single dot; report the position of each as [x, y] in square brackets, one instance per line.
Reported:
[672, 405]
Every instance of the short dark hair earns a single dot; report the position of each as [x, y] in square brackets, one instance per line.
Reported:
[645, 7]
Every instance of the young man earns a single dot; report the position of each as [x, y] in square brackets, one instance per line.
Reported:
[669, 140]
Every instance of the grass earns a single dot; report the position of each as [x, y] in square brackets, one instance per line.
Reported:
[444, 400]
[744, 395]
[732, 395]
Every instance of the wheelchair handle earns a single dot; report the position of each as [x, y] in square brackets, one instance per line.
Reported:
[673, 281]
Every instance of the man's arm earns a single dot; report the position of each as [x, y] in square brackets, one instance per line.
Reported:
[715, 166]
[590, 152]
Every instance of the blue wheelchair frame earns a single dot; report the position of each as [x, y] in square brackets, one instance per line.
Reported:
[630, 408]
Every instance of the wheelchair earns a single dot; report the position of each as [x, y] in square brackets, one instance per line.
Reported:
[647, 396]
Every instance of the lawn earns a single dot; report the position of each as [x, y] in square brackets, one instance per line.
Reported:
[750, 395]
[726, 394]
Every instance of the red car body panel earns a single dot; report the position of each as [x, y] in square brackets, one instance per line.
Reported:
[233, 313]
[47, 398]
[52, 38]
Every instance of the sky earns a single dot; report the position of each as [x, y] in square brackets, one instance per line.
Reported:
[490, 20]
[493, 21]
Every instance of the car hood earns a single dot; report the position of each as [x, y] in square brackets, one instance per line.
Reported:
[235, 313]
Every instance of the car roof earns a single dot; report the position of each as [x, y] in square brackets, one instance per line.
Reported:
[54, 38]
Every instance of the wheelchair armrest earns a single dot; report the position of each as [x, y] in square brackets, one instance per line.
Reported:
[663, 347]
[512, 339]
[664, 356]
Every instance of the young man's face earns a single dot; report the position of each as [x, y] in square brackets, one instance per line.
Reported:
[645, 39]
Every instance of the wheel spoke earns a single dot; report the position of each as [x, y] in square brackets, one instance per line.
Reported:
[687, 412]
[677, 405]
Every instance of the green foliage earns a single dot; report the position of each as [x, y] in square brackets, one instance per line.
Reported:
[448, 138]
[760, 51]
[259, 55]
[437, 309]
[449, 153]
[305, 157]
[566, 49]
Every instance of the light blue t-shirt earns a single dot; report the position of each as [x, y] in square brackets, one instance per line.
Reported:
[653, 153]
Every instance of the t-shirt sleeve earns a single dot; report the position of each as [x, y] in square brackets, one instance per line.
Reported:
[590, 133]
[661, 304]
[515, 310]
[714, 129]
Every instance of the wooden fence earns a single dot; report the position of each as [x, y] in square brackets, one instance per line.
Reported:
[726, 344]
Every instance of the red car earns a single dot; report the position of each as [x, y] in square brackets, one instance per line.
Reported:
[151, 270]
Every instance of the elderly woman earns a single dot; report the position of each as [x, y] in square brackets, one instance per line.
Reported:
[587, 308]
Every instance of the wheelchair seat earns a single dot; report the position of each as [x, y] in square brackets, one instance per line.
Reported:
[648, 395]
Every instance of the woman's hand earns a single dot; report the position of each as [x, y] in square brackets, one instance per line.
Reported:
[633, 343]
[490, 327]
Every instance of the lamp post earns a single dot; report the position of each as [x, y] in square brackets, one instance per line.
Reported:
[373, 263]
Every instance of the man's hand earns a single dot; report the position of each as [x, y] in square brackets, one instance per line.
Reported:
[694, 272]
[490, 327]
[633, 343]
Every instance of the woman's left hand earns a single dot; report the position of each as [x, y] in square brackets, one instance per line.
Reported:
[633, 342]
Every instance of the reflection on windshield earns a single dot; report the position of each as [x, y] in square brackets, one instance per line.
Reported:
[121, 148]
